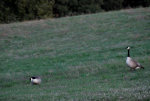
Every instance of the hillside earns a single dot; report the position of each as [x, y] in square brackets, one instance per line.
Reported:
[78, 58]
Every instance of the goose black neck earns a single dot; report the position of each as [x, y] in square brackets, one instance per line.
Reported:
[128, 52]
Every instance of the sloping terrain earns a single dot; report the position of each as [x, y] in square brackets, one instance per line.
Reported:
[78, 58]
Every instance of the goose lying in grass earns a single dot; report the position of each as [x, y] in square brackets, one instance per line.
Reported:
[35, 80]
[132, 63]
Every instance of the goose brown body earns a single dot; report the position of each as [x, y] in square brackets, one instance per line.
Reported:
[133, 64]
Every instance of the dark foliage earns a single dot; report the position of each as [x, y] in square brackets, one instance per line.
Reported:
[112, 5]
[19, 10]
[136, 3]
[76, 7]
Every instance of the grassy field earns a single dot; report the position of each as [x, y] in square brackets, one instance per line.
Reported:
[79, 58]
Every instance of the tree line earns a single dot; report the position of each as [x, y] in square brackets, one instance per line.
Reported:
[20, 10]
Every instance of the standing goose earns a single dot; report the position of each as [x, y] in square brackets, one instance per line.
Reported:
[35, 80]
[132, 63]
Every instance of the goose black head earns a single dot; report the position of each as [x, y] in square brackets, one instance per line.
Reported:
[31, 78]
[128, 48]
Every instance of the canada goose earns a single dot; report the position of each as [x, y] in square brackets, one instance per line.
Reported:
[35, 80]
[132, 63]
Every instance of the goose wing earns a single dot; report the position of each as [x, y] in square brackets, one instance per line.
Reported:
[137, 64]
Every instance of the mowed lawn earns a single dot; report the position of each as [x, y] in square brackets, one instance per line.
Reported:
[79, 58]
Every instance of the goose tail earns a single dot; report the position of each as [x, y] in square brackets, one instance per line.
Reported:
[142, 67]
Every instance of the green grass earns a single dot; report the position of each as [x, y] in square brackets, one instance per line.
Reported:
[79, 58]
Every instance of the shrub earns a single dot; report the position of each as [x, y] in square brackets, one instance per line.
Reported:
[14, 10]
